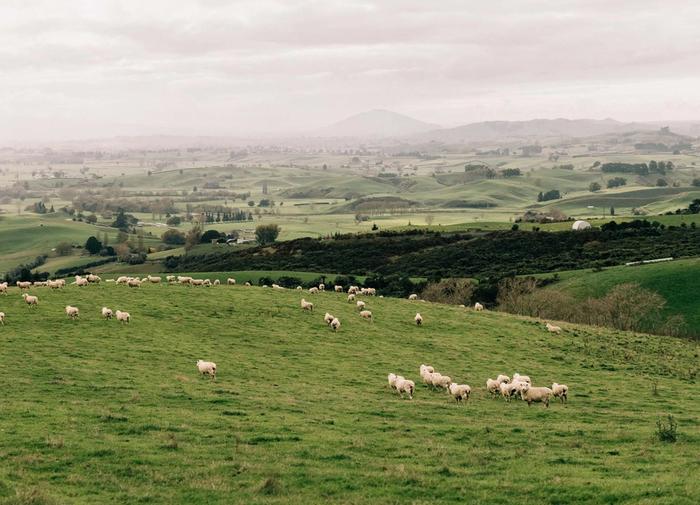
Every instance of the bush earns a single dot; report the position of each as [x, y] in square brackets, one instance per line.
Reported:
[210, 235]
[64, 249]
[173, 237]
[174, 221]
[667, 432]
[616, 182]
[593, 187]
[267, 233]
[451, 291]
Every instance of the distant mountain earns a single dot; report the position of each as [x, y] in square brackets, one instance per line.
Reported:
[376, 123]
[532, 129]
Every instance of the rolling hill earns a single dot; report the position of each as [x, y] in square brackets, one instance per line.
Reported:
[376, 123]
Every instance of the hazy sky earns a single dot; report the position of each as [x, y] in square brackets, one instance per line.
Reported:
[77, 69]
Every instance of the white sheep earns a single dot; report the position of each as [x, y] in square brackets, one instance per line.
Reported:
[352, 290]
[425, 369]
[184, 279]
[107, 313]
[392, 380]
[418, 319]
[39, 284]
[338, 289]
[122, 280]
[493, 386]
[123, 317]
[313, 290]
[299, 288]
[366, 314]
[502, 378]
[508, 389]
[2, 318]
[248, 284]
[197, 282]
[335, 324]
[413, 296]
[553, 329]
[231, 281]
[207, 368]
[307, 305]
[94, 278]
[24, 284]
[360, 305]
[134, 283]
[478, 307]
[405, 386]
[321, 287]
[170, 278]
[440, 381]
[351, 297]
[30, 300]
[3, 288]
[328, 318]
[217, 282]
[535, 394]
[81, 281]
[460, 391]
[72, 312]
[560, 391]
[154, 279]
[521, 378]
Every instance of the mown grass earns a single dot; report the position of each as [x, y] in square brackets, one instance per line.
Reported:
[98, 412]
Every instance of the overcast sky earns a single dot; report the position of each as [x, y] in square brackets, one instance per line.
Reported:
[92, 68]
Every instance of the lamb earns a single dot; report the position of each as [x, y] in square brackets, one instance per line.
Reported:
[313, 290]
[307, 305]
[153, 279]
[231, 281]
[478, 307]
[460, 391]
[338, 289]
[413, 296]
[72, 312]
[366, 314]
[328, 318]
[553, 329]
[2, 318]
[418, 319]
[405, 386]
[425, 369]
[123, 317]
[207, 368]
[530, 394]
[360, 305]
[335, 324]
[560, 391]
[30, 299]
[351, 297]
[3, 288]
[107, 313]
[24, 285]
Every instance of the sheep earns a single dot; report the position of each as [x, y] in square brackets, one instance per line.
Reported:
[322, 287]
[134, 283]
[425, 369]
[299, 288]
[81, 281]
[197, 282]
[478, 307]
[560, 391]
[3, 288]
[170, 278]
[277, 286]
[39, 284]
[335, 324]
[307, 305]
[313, 290]
[94, 278]
[413, 296]
[352, 290]
[184, 280]
[418, 319]
[392, 380]
[539, 394]
[231, 281]
[54, 284]
[24, 284]
[206, 283]
[2, 318]
[502, 378]
[509, 389]
[366, 314]
[248, 284]
[553, 329]
[72, 312]
[207, 368]
[217, 282]
[405, 386]
[360, 305]
[123, 317]
[521, 378]
[123, 279]
[328, 318]
[440, 381]
[154, 279]
[30, 300]
[460, 391]
[107, 313]
[338, 289]
[351, 297]
[493, 386]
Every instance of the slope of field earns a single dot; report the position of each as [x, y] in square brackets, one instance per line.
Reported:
[676, 281]
[98, 412]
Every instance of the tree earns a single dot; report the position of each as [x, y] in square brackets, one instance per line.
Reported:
[174, 221]
[696, 182]
[593, 187]
[661, 182]
[193, 236]
[267, 233]
[121, 221]
[92, 219]
[173, 237]
[612, 210]
[64, 249]
[616, 182]
[540, 196]
[209, 235]
[93, 246]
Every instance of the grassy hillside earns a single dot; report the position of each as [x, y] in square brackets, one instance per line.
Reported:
[676, 281]
[97, 412]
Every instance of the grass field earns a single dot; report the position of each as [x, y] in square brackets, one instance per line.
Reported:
[98, 412]
[677, 281]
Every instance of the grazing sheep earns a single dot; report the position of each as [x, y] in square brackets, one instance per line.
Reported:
[80, 281]
[366, 314]
[521, 378]
[231, 281]
[360, 305]
[313, 290]
[186, 280]
[3, 288]
[134, 283]
[217, 282]
[553, 329]
[2, 318]
[405, 386]
[299, 288]
[54, 284]
[508, 390]
[351, 297]
[531, 394]
[392, 380]
[493, 386]
[197, 282]
[307, 305]
[352, 290]
[560, 391]
[321, 287]
[413, 296]
[72, 312]
[94, 278]
[338, 289]
[123, 317]
[335, 324]
[502, 378]
[247, 284]
[107, 313]
[30, 300]
[24, 284]
[207, 368]
[328, 318]
[39, 284]
[418, 319]
[154, 279]
[170, 278]
[122, 280]
[478, 307]
[440, 381]
[460, 391]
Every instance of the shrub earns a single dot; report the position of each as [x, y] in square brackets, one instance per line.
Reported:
[267, 233]
[452, 291]
[173, 237]
[667, 432]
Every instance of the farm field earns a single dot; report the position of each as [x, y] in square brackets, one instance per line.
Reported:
[109, 413]
[677, 281]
